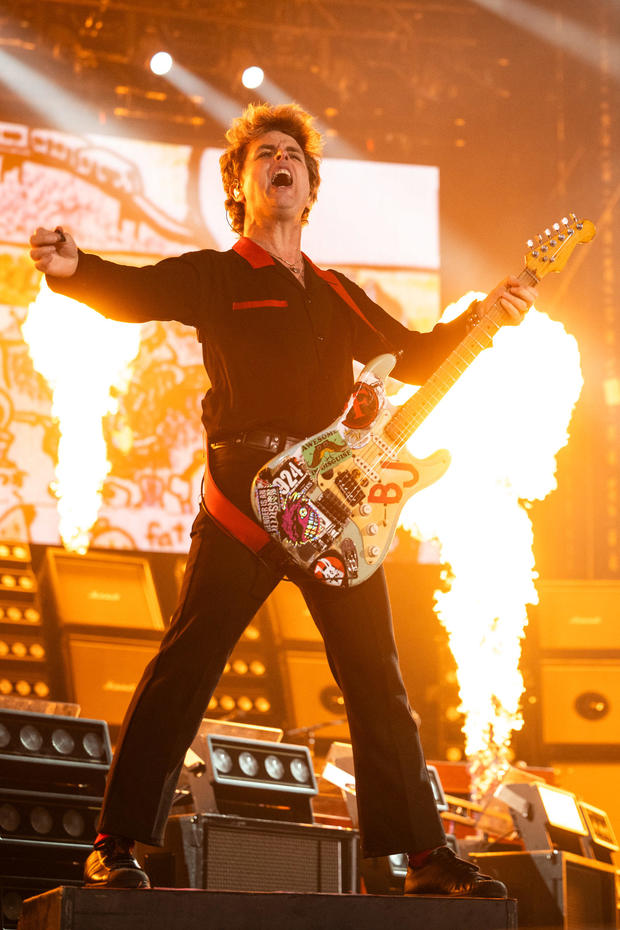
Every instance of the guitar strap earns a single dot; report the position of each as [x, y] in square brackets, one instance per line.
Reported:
[228, 515]
[216, 504]
[337, 286]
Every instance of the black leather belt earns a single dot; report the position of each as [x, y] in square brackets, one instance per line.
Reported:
[256, 439]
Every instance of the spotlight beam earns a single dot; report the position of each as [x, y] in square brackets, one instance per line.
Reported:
[45, 97]
[222, 108]
[578, 40]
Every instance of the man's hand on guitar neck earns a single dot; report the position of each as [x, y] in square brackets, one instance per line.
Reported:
[515, 298]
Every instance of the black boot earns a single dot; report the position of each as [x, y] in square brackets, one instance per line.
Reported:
[111, 865]
[443, 873]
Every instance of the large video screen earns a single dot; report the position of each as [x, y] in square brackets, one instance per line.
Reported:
[136, 201]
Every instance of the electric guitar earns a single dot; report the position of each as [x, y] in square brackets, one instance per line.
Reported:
[333, 500]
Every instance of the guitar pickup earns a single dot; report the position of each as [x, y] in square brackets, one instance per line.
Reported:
[333, 508]
[349, 488]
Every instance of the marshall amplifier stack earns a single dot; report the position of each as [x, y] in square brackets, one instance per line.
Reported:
[105, 611]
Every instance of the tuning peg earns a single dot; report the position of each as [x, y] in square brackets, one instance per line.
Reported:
[556, 226]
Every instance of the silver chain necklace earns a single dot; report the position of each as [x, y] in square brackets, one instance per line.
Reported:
[295, 268]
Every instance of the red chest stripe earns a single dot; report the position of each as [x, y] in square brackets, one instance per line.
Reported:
[249, 304]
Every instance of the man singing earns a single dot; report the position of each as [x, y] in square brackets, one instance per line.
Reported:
[279, 337]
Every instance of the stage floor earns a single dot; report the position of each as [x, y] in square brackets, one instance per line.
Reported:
[71, 908]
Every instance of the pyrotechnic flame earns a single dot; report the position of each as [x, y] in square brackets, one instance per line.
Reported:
[503, 422]
[83, 357]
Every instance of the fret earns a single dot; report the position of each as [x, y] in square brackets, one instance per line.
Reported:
[413, 412]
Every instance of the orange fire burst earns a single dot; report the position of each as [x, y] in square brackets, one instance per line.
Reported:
[82, 356]
[503, 423]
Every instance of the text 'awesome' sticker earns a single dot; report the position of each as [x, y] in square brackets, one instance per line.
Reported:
[325, 451]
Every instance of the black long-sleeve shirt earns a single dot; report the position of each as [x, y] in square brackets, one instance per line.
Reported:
[278, 355]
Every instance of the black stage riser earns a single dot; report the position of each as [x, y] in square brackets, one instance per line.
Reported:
[161, 909]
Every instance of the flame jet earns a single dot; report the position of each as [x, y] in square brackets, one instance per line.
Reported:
[503, 423]
[86, 360]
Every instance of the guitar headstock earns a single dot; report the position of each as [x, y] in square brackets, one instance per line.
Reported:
[551, 251]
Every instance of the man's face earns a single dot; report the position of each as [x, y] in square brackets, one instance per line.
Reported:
[274, 181]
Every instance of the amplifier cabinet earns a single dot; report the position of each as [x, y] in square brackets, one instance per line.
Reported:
[225, 853]
[99, 589]
[580, 704]
[102, 671]
[312, 695]
[556, 890]
[578, 615]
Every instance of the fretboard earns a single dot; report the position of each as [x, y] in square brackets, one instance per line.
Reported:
[413, 412]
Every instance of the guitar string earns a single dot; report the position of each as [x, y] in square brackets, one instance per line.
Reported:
[471, 346]
[369, 456]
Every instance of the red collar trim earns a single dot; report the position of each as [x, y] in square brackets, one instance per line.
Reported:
[254, 254]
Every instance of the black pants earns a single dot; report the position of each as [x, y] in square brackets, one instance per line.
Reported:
[223, 587]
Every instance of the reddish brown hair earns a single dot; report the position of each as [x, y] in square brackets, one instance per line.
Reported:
[255, 121]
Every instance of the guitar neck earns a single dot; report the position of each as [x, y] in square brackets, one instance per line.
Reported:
[413, 412]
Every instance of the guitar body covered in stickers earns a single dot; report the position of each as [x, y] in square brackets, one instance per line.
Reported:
[333, 500]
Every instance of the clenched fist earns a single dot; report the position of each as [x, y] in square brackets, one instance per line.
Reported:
[54, 252]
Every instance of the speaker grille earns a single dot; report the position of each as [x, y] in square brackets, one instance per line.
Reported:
[590, 898]
[245, 860]
[580, 701]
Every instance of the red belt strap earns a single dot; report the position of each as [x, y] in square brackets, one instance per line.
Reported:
[229, 516]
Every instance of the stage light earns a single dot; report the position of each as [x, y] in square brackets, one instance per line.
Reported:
[300, 771]
[248, 764]
[252, 77]
[73, 823]
[274, 767]
[253, 775]
[63, 742]
[161, 63]
[60, 819]
[54, 738]
[30, 738]
[545, 817]
[41, 820]
[562, 810]
[602, 842]
[222, 760]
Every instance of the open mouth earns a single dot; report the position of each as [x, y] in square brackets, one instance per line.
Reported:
[282, 178]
